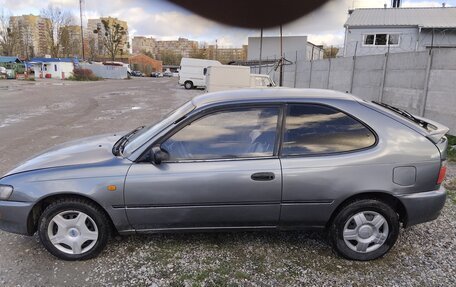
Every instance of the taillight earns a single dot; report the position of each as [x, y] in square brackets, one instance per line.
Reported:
[442, 172]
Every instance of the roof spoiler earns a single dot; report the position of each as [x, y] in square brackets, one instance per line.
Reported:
[436, 130]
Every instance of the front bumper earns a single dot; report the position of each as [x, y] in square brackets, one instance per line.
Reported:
[14, 215]
[423, 206]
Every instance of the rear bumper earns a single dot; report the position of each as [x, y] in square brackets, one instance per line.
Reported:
[424, 206]
[13, 216]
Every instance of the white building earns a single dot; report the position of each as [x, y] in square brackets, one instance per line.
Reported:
[292, 46]
[54, 68]
[379, 30]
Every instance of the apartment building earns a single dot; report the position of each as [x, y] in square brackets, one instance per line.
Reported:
[142, 44]
[71, 41]
[34, 37]
[226, 55]
[181, 46]
[97, 25]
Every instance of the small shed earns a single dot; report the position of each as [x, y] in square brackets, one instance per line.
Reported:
[55, 68]
[13, 66]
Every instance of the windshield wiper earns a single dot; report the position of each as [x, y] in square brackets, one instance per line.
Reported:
[118, 147]
[403, 113]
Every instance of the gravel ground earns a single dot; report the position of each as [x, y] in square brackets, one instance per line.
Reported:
[35, 115]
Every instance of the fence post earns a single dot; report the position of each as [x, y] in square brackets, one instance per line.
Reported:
[353, 68]
[426, 82]
[329, 74]
[385, 66]
[352, 74]
[296, 69]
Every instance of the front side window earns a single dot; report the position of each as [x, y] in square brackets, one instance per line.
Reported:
[314, 129]
[235, 133]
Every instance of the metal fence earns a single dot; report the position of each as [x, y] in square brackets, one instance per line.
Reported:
[423, 83]
[106, 72]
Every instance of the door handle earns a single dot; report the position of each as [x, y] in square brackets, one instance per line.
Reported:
[263, 176]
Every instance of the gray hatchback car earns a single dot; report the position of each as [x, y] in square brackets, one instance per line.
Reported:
[238, 160]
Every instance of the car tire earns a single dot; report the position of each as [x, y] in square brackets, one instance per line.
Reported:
[364, 230]
[188, 85]
[74, 229]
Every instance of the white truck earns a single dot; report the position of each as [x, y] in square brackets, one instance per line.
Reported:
[227, 77]
[192, 72]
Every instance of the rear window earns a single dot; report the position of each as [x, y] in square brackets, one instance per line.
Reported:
[314, 130]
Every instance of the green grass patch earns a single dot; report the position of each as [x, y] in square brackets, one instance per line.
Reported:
[451, 152]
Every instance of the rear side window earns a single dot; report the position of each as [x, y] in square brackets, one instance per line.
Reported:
[314, 129]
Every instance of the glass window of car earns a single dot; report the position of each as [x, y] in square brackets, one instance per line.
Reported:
[142, 136]
[314, 129]
[234, 133]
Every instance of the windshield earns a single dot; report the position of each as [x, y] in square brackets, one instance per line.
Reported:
[142, 136]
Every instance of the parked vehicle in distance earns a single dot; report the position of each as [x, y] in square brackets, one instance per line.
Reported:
[230, 77]
[167, 74]
[238, 160]
[120, 64]
[192, 72]
[260, 80]
[156, 75]
[136, 74]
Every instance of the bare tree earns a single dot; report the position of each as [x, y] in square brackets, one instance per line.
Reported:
[57, 19]
[9, 38]
[112, 37]
[92, 49]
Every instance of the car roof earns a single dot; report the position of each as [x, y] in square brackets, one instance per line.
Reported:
[269, 95]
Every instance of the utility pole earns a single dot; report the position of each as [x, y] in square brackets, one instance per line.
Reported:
[261, 49]
[216, 48]
[82, 30]
[281, 59]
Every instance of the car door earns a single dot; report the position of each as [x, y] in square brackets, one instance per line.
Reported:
[326, 156]
[222, 172]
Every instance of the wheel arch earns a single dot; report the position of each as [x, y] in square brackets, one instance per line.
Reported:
[387, 198]
[40, 206]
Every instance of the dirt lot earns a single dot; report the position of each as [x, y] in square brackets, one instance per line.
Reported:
[37, 115]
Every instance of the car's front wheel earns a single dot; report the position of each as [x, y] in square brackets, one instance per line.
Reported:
[74, 229]
[364, 230]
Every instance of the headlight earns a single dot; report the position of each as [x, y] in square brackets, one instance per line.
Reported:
[5, 191]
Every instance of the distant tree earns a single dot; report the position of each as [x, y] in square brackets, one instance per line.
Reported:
[198, 53]
[112, 37]
[57, 19]
[330, 52]
[147, 53]
[9, 38]
[169, 57]
[92, 48]
[65, 41]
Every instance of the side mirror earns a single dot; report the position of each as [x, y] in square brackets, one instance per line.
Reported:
[157, 155]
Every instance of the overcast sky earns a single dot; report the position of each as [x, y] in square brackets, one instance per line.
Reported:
[163, 20]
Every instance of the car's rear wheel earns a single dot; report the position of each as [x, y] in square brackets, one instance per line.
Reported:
[188, 85]
[364, 230]
[74, 229]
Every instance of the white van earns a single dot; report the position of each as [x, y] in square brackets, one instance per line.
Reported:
[226, 77]
[192, 72]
